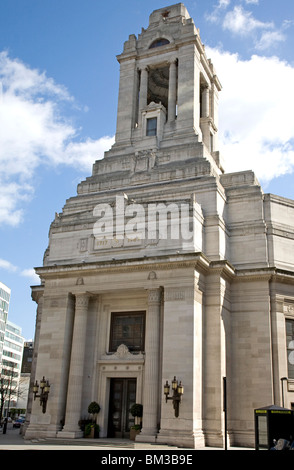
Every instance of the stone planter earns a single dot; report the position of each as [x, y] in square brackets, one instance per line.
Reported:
[94, 433]
[133, 433]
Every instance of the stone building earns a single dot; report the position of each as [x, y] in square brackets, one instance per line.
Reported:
[164, 265]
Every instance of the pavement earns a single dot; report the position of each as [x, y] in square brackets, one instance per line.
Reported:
[13, 440]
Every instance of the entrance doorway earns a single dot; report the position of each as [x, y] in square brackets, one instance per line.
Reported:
[122, 397]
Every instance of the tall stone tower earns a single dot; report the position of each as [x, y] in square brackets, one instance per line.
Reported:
[164, 266]
[168, 93]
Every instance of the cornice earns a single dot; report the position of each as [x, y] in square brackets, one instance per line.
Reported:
[164, 262]
[270, 274]
[284, 276]
[37, 292]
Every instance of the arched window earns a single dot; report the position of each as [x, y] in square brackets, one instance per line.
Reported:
[159, 42]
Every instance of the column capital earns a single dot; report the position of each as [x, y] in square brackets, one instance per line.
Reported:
[82, 300]
[143, 68]
[154, 295]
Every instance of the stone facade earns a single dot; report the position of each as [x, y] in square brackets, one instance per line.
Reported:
[214, 303]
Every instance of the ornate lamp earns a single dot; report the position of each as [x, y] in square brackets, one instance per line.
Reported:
[44, 392]
[178, 391]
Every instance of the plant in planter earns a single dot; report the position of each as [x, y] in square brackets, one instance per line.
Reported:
[83, 423]
[92, 429]
[137, 411]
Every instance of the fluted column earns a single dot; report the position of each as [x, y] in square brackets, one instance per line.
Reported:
[143, 89]
[76, 373]
[151, 368]
[172, 91]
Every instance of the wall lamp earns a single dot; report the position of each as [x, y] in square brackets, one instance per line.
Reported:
[44, 392]
[178, 391]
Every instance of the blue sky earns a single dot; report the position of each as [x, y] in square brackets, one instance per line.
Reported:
[58, 102]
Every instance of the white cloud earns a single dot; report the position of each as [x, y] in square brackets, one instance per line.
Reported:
[31, 274]
[224, 3]
[240, 21]
[83, 154]
[269, 39]
[28, 273]
[34, 132]
[215, 15]
[12, 195]
[7, 265]
[255, 123]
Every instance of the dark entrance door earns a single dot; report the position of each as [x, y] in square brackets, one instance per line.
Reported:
[122, 397]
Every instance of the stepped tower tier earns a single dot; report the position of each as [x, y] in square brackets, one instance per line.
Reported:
[167, 105]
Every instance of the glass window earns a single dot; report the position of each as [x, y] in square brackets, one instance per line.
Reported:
[262, 430]
[290, 347]
[151, 126]
[159, 42]
[127, 328]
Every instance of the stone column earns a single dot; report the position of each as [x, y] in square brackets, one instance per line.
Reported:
[205, 102]
[143, 89]
[172, 91]
[151, 368]
[37, 296]
[76, 372]
[214, 350]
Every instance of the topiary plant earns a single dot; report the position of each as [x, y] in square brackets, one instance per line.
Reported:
[137, 410]
[93, 408]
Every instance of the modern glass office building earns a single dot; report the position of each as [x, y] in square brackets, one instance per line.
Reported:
[12, 360]
[4, 306]
[11, 350]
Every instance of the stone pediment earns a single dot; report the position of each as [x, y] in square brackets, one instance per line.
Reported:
[152, 106]
[123, 354]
